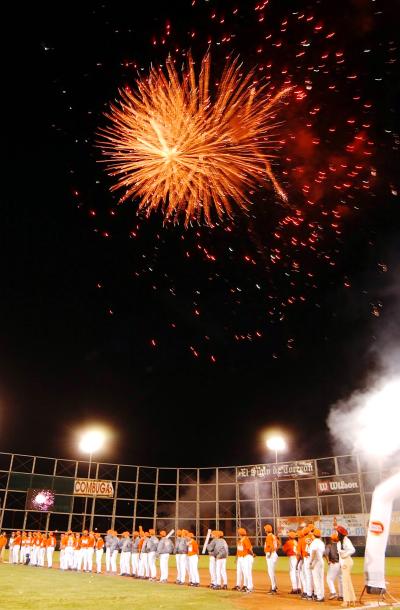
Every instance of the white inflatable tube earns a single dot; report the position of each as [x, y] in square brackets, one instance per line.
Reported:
[378, 532]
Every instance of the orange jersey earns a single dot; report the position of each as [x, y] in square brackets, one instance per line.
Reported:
[92, 542]
[193, 548]
[77, 544]
[64, 541]
[17, 540]
[51, 541]
[244, 547]
[290, 547]
[271, 543]
[141, 541]
[99, 543]
[84, 541]
[3, 541]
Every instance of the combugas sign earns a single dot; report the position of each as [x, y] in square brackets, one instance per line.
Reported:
[93, 487]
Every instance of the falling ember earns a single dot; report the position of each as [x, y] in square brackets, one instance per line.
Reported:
[174, 146]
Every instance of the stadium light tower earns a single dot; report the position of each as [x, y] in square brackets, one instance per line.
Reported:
[276, 443]
[91, 441]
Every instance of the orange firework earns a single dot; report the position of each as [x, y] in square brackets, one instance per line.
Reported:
[174, 146]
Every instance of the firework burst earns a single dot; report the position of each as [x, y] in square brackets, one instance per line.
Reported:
[175, 147]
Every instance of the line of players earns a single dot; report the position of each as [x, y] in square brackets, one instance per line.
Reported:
[138, 554]
[306, 552]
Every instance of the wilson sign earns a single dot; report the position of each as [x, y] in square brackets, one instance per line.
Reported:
[338, 485]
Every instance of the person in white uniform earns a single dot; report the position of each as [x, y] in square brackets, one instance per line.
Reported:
[316, 550]
[346, 550]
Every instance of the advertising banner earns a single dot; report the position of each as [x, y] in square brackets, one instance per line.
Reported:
[338, 485]
[93, 487]
[271, 472]
[356, 524]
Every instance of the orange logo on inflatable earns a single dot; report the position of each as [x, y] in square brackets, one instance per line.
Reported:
[376, 527]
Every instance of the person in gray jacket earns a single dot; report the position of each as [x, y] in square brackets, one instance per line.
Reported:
[151, 546]
[144, 572]
[125, 545]
[334, 571]
[221, 552]
[114, 548]
[107, 544]
[164, 549]
[177, 560]
[181, 550]
[135, 554]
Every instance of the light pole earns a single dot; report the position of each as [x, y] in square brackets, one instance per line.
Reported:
[276, 443]
[91, 441]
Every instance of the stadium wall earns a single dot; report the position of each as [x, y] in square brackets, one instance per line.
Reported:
[101, 496]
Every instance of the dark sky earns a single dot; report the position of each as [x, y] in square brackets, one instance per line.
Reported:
[101, 326]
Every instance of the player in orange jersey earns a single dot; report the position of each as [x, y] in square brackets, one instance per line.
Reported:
[77, 553]
[22, 553]
[85, 550]
[16, 547]
[63, 544]
[244, 566]
[37, 541]
[271, 546]
[305, 551]
[290, 550]
[90, 552]
[3, 543]
[69, 551]
[193, 560]
[99, 545]
[50, 547]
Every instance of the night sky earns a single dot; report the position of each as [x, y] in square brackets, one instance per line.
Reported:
[189, 343]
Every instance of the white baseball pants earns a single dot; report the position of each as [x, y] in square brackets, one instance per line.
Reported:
[164, 558]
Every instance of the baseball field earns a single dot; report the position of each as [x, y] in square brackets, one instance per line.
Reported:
[32, 588]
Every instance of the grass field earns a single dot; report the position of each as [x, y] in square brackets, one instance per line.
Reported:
[30, 588]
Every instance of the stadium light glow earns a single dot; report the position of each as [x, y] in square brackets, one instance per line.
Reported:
[92, 440]
[276, 443]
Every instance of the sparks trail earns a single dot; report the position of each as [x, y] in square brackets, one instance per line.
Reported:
[175, 146]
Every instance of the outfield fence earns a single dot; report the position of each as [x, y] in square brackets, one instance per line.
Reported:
[97, 495]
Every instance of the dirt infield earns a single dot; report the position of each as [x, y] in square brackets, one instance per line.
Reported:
[283, 601]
